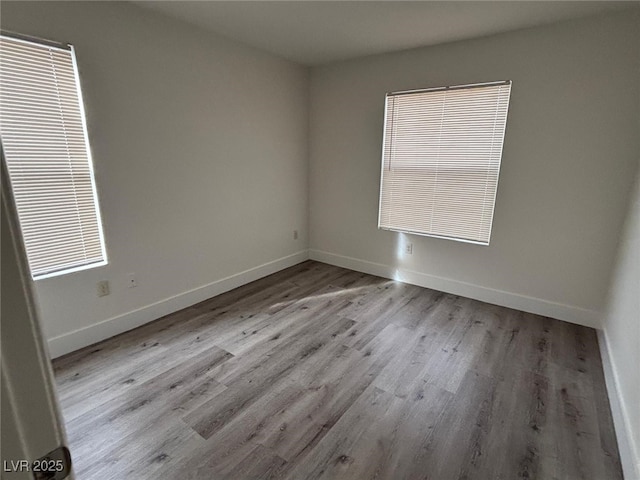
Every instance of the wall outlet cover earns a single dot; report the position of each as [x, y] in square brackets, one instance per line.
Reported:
[103, 288]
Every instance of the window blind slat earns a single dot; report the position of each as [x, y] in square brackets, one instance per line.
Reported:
[441, 160]
[48, 158]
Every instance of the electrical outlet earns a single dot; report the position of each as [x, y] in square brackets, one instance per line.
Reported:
[408, 248]
[295, 234]
[103, 288]
[132, 283]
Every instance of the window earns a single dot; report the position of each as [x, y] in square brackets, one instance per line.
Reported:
[441, 158]
[46, 151]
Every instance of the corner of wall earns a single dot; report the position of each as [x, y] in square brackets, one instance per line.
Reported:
[628, 458]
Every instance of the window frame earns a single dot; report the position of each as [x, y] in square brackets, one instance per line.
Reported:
[61, 268]
[384, 161]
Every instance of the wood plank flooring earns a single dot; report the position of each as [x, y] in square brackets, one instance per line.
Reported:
[318, 372]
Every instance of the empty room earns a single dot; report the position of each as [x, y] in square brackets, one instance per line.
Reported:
[320, 240]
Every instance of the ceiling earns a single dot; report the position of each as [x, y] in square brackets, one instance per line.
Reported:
[319, 32]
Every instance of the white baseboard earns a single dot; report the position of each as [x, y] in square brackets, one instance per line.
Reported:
[629, 452]
[83, 337]
[538, 306]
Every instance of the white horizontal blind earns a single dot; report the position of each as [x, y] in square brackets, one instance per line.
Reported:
[441, 158]
[46, 150]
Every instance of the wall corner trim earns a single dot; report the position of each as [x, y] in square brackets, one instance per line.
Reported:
[110, 327]
[630, 462]
[538, 306]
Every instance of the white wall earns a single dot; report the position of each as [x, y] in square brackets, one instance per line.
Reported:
[570, 154]
[200, 152]
[200, 147]
[622, 336]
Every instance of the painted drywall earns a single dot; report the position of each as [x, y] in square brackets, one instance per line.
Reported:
[570, 154]
[200, 153]
[622, 336]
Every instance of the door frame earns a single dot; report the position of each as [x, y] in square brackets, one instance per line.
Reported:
[32, 424]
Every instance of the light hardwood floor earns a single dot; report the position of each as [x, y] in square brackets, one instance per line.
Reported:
[318, 372]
